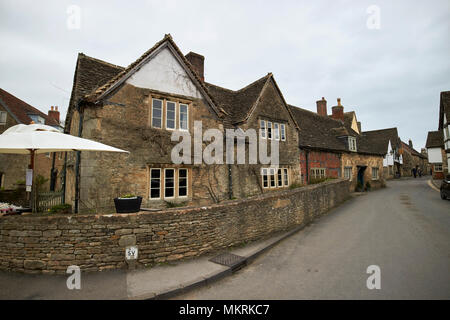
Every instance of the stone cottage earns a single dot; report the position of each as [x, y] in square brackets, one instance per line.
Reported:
[139, 107]
[413, 159]
[13, 167]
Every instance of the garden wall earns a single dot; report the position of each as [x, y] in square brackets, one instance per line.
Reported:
[48, 244]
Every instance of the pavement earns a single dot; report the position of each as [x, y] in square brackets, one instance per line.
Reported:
[386, 227]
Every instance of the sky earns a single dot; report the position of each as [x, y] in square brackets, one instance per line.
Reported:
[386, 60]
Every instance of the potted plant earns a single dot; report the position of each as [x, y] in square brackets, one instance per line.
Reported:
[128, 203]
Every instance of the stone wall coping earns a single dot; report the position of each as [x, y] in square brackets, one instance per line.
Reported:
[184, 210]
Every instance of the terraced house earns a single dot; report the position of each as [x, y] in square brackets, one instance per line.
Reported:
[334, 146]
[137, 108]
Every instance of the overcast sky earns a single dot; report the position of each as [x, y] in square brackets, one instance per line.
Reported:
[391, 75]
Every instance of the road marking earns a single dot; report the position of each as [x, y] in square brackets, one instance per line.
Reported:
[432, 186]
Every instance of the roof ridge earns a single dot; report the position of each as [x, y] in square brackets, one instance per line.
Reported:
[254, 82]
[81, 54]
[317, 115]
[392, 128]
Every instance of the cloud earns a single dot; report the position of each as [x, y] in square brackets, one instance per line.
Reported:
[390, 77]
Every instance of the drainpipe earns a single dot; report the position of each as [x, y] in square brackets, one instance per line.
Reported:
[64, 179]
[307, 165]
[230, 183]
[78, 160]
[52, 182]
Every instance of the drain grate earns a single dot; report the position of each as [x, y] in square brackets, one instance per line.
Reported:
[230, 260]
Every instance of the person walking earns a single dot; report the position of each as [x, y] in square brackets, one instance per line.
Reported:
[414, 171]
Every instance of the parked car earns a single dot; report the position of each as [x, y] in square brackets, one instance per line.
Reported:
[445, 188]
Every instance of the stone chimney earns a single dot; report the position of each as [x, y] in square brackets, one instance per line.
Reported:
[359, 126]
[54, 113]
[198, 63]
[338, 111]
[322, 107]
[410, 143]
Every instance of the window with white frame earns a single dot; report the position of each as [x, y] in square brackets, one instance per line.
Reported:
[276, 131]
[183, 117]
[352, 143]
[169, 183]
[269, 130]
[262, 129]
[155, 183]
[283, 132]
[317, 173]
[157, 106]
[274, 178]
[374, 173]
[438, 167]
[348, 173]
[170, 115]
[2, 117]
[182, 182]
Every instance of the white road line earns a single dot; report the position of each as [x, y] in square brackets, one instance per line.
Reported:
[432, 186]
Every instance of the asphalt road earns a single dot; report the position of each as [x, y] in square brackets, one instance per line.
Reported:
[404, 229]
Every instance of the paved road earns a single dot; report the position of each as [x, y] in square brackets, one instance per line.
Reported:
[404, 229]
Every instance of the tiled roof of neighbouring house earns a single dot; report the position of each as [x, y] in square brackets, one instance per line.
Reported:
[238, 103]
[326, 133]
[379, 139]
[413, 151]
[21, 110]
[435, 139]
[90, 73]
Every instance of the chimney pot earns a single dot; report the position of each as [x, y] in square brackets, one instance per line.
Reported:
[322, 107]
[338, 111]
[198, 63]
[54, 113]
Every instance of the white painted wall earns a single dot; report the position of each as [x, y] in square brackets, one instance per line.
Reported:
[164, 73]
[434, 155]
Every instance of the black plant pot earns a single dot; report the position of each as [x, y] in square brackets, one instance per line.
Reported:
[128, 205]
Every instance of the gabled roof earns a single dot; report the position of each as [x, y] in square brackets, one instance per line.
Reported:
[348, 118]
[238, 103]
[435, 139]
[444, 108]
[379, 139]
[90, 73]
[167, 41]
[21, 110]
[413, 151]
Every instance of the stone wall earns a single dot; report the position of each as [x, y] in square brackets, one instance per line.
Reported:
[49, 244]
[357, 161]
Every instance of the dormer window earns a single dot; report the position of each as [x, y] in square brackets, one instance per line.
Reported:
[2, 117]
[37, 119]
[352, 143]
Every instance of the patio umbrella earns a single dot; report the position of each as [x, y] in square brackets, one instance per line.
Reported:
[38, 138]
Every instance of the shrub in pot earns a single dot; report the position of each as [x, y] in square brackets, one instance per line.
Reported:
[128, 203]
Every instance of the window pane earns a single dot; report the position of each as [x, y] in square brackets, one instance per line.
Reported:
[269, 130]
[283, 132]
[182, 182]
[272, 178]
[286, 181]
[276, 128]
[156, 113]
[169, 183]
[183, 116]
[262, 124]
[170, 115]
[155, 183]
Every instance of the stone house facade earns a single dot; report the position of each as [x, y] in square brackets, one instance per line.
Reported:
[436, 153]
[13, 167]
[138, 108]
[413, 159]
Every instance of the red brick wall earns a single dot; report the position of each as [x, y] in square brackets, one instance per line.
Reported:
[318, 159]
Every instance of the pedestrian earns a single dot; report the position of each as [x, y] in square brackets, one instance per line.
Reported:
[414, 171]
[420, 173]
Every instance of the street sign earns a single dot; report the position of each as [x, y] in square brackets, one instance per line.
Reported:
[131, 253]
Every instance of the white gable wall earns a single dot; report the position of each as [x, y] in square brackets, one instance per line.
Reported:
[434, 155]
[164, 73]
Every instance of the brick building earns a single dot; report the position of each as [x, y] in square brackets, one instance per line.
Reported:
[14, 111]
[137, 108]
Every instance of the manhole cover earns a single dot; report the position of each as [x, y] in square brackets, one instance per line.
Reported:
[228, 259]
